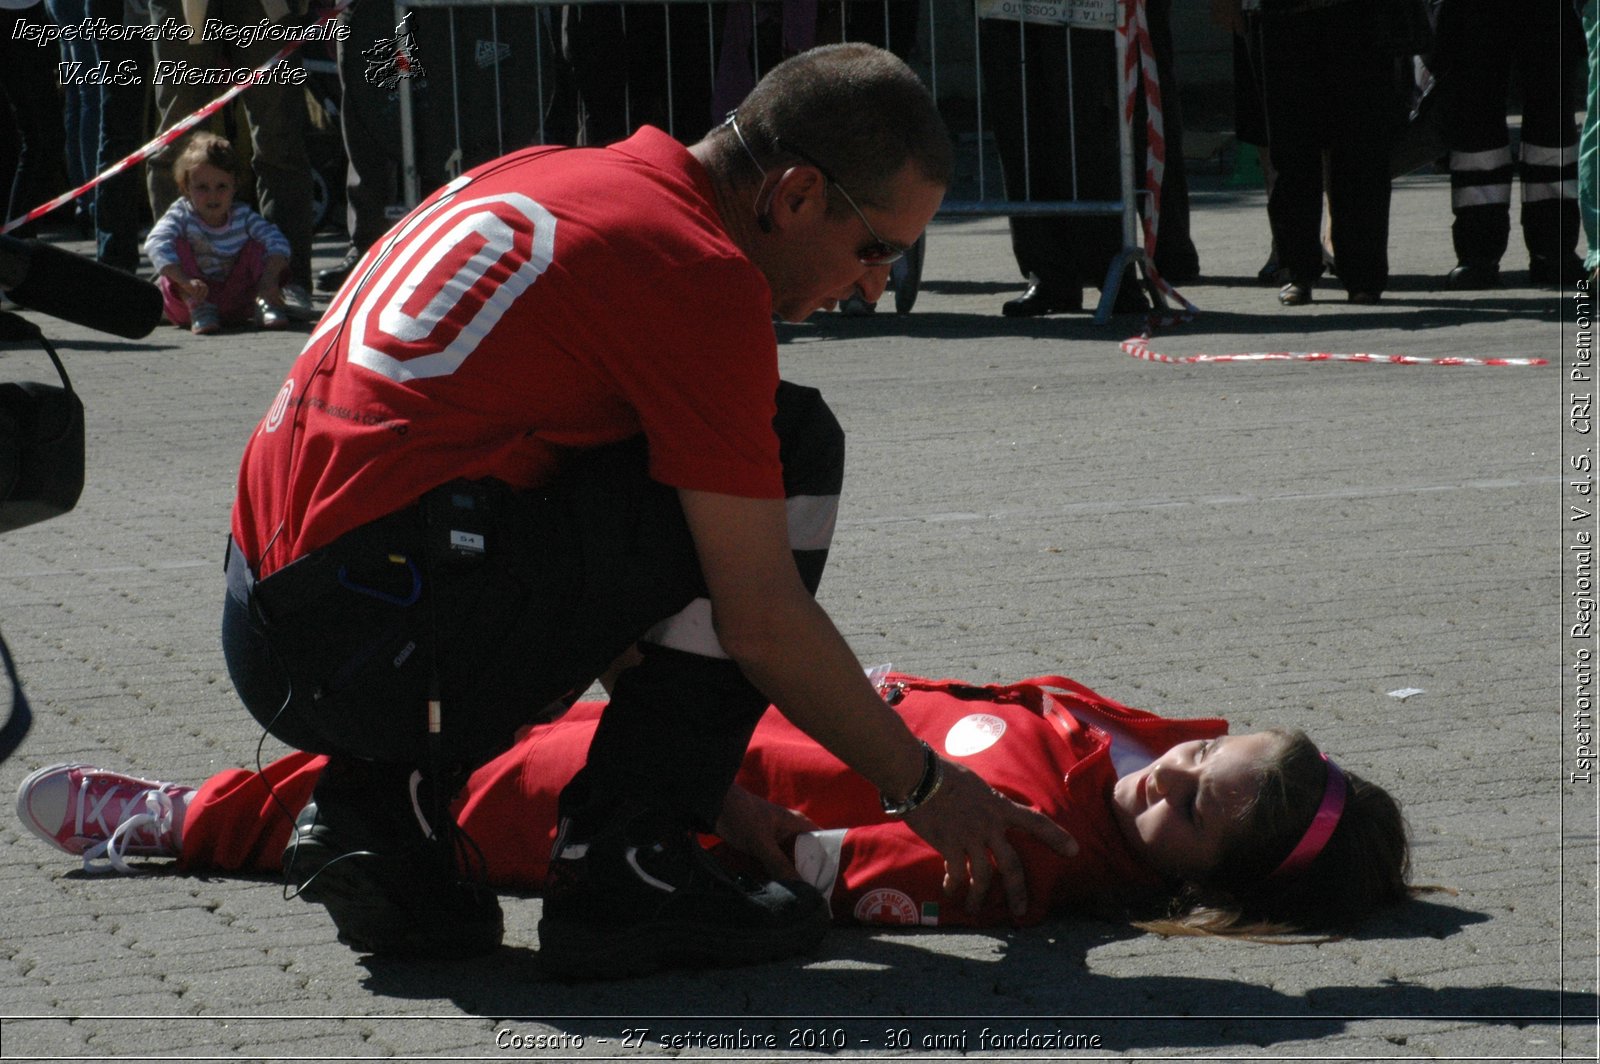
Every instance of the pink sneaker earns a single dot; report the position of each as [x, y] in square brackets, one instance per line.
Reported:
[103, 816]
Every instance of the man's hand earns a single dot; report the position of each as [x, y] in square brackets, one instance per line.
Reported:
[761, 829]
[791, 651]
[967, 821]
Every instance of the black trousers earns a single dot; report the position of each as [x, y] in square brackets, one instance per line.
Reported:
[1046, 87]
[369, 123]
[339, 652]
[1067, 94]
[1328, 87]
[636, 64]
[1481, 47]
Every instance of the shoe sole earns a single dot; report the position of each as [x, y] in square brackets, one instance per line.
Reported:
[581, 952]
[370, 923]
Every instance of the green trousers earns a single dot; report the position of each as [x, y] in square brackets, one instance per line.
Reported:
[1589, 139]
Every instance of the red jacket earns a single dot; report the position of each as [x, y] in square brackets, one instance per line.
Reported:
[1045, 743]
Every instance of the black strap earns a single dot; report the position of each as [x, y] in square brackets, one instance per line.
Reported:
[16, 327]
[21, 717]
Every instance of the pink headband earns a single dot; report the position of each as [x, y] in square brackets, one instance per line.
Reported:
[1322, 825]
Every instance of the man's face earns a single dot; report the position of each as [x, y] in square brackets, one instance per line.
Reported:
[819, 265]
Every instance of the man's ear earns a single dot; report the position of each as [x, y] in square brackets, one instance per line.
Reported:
[800, 191]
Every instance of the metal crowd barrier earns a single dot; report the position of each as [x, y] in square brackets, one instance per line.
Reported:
[490, 91]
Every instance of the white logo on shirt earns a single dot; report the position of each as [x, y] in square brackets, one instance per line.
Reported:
[280, 406]
[973, 734]
[444, 284]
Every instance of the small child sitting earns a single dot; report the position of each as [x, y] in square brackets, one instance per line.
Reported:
[219, 262]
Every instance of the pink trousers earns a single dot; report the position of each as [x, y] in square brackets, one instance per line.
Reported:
[233, 296]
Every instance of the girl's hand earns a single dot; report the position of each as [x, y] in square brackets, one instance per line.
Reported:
[194, 290]
[759, 828]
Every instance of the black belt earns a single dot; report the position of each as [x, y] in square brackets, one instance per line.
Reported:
[397, 536]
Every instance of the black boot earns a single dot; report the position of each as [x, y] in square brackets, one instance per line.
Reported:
[391, 885]
[641, 894]
[1555, 269]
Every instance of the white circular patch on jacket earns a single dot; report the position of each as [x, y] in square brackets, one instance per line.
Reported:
[973, 734]
[886, 906]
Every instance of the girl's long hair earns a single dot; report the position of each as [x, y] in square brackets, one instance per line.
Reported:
[1365, 866]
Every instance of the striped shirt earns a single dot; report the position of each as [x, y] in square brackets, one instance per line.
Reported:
[215, 250]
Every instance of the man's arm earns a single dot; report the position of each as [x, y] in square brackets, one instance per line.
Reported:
[789, 648]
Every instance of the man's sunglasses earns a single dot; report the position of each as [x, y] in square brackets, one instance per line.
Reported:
[879, 252]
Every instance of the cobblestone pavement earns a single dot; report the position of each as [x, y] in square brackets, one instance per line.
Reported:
[1278, 543]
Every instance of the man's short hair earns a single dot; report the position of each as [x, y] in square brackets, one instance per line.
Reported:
[855, 110]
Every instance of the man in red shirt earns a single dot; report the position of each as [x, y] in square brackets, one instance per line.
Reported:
[541, 422]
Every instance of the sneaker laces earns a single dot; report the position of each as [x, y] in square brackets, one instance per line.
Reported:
[155, 818]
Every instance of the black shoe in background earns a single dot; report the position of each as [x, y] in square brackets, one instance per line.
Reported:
[1043, 297]
[330, 279]
[1131, 298]
[1470, 278]
[1555, 269]
[642, 895]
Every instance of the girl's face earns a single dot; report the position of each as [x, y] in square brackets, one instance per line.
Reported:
[1180, 812]
[210, 192]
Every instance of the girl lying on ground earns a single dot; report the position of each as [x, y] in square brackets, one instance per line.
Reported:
[1180, 826]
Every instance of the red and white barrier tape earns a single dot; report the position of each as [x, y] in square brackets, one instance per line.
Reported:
[166, 137]
[1139, 349]
[1139, 73]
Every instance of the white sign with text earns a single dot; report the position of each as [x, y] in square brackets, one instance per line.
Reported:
[1091, 14]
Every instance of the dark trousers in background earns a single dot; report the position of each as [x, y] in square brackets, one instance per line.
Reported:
[369, 123]
[1176, 257]
[1328, 86]
[1482, 46]
[119, 206]
[32, 136]
[1035, 121]
[1078, 251]
[638, 64]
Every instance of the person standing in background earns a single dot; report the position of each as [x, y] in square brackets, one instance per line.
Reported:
[1481, 46]
[1327, 71]
[1589, 141]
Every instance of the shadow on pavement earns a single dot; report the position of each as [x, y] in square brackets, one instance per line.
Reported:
[1045, 970]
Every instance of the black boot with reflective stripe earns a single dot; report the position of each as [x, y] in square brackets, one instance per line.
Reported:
[642, 895]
